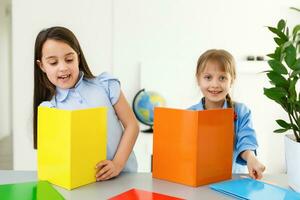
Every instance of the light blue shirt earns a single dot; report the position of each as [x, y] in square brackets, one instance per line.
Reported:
[245, 136]
[104, 90]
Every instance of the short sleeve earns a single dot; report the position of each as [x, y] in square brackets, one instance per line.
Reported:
[111, 85]
[47, 104]
[245, 134]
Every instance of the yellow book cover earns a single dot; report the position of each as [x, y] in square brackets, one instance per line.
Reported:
[70, 144]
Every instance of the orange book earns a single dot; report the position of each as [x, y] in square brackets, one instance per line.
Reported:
[193, 147]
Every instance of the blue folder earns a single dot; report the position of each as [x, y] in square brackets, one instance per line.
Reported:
[247, 188]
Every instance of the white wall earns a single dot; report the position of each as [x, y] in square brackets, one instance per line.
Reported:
[165, 34]
[91, 23]
[160, 40]
[5, 68]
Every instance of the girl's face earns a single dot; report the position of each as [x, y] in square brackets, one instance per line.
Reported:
[215, 84]
[60, 62]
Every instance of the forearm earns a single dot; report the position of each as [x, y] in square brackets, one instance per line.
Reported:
[126, 144]
[248, 154]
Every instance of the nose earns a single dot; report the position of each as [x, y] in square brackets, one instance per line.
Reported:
[62, 66]
[215, 83]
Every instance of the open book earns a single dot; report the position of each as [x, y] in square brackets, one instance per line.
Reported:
[193, 147]
[29, 190]
[70, 144]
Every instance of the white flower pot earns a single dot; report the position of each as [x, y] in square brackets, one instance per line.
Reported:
[292, 158]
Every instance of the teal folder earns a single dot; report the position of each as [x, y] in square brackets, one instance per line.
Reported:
[41, 190]
[247, 188]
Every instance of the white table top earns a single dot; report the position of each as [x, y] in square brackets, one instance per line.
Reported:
[126, 181]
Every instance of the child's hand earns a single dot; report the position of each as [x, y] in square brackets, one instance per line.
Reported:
[107, 169]
[255, 168]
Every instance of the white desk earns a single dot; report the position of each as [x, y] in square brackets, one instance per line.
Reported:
[126, 181]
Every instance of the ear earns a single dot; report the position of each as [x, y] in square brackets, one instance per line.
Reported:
[40, 64]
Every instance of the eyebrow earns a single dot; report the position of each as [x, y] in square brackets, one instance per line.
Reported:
[68, 54]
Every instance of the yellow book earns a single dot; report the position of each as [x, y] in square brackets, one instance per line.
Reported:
[70, 144]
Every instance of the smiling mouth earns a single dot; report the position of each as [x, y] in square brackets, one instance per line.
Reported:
[64, 76]
[215, 92]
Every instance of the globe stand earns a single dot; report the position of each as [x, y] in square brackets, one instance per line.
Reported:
[149, 130]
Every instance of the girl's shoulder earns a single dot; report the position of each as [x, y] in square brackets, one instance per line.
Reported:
[197, 106]
[109, 83]
[241, 108]
[48, 104]
[103, 79]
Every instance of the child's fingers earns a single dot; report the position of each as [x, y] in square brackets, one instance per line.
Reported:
[103, 171]
[259, 172]
[107, 175]
[263, 168]
[252, 174]
[259, 175]
[101, 164]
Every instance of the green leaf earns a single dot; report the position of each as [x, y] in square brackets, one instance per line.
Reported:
[297, 106]
[281, 25]
[297, 65]
[272, 29]
[278, 67]
[272, 55]
[279, 41]
[295, 31]
[283, 123]
[298, 44]
[278, 54]
[275, 93]
[286, 44]
[278, 79]
[279, 33]
[282, 130]
[290, 57]
[292, 89]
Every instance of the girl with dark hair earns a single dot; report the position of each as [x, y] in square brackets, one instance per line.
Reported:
[62, 79]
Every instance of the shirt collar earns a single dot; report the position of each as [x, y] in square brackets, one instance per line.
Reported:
[62, 94]
[225, 105]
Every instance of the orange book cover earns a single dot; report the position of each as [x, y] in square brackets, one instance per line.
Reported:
[193, 147]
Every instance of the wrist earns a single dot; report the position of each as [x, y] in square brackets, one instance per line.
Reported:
[247, 155]
[119, 165]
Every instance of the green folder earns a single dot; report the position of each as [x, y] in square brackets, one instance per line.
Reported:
[41, 190]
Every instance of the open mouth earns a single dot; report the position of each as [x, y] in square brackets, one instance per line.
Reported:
[64, 77]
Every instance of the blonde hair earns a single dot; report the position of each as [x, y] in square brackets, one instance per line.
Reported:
[226, 61]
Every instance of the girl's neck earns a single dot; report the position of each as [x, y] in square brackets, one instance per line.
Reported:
[207, 105]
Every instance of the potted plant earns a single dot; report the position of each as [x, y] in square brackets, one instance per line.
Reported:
[284, 74]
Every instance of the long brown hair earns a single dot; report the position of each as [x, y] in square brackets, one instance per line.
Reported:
[44, 90]
[225, 59]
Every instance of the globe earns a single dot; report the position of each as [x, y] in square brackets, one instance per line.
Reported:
[143, 106]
